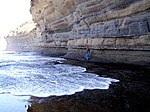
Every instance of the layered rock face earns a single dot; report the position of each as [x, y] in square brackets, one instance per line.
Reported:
[116, 31]
[23, 38]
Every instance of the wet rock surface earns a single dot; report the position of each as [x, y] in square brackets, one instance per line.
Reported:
[131, 94]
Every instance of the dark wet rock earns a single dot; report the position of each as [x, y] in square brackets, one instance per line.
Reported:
[131, 94]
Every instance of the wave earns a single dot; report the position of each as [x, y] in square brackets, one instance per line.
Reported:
[36, 75]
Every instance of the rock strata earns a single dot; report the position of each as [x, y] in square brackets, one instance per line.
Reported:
[116, 31]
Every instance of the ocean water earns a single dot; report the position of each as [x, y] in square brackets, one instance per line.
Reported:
[11, 103]
[30, 74]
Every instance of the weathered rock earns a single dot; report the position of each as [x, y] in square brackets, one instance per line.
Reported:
[119, 26]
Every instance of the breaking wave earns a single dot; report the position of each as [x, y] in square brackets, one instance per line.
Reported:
[36, 75]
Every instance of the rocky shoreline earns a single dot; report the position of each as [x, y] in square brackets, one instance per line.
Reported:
[115, 31]
[131, 94]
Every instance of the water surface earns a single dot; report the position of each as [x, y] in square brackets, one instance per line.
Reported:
[30, 82]
[36, 75]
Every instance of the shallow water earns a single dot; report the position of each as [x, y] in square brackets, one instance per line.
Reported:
[11, 103]
[30, 74]
[36, 75]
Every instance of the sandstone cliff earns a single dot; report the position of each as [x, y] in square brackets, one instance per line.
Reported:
[116, 31]
[22, 38]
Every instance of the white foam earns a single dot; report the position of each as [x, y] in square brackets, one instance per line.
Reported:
[42, 78]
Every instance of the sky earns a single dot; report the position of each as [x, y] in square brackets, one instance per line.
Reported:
[12, 14]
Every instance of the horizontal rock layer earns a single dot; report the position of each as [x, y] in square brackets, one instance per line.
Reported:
[116, 31]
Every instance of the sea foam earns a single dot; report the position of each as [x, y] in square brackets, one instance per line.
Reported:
[36, 75]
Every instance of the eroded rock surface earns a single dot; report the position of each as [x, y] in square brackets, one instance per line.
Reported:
[116, 31]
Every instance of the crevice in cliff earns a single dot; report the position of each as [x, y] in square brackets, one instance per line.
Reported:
[87, 25]
[148, 26]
